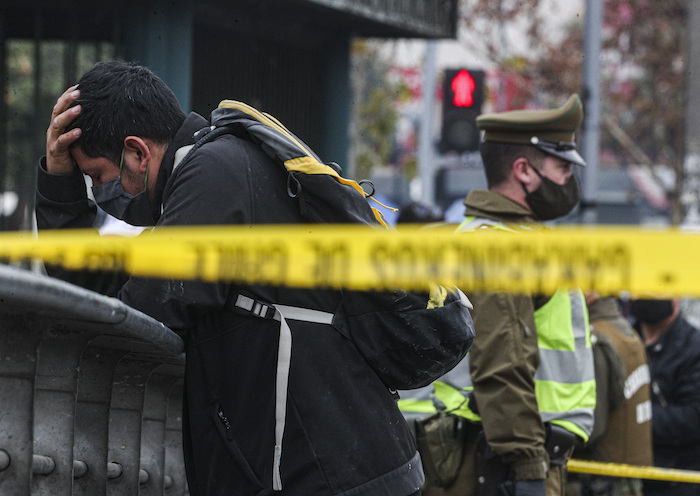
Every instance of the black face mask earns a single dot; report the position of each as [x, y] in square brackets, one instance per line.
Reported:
[651, 311]
[552, 200]
[132, 209]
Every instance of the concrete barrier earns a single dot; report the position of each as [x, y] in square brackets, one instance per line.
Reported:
[90, 393]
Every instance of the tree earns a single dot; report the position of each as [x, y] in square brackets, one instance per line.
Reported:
[644, 43]
[377, 97]
[484, 29]
[645, 87]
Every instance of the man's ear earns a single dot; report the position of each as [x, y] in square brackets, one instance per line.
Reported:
[521, 170]
[137, 147]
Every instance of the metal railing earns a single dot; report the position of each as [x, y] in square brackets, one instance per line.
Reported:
[90, 393]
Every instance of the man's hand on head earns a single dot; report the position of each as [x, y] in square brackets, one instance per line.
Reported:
[58, 141]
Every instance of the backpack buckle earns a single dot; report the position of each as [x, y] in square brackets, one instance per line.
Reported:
[257, 308]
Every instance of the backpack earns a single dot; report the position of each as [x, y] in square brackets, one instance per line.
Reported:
[323, 195]
[406, 343]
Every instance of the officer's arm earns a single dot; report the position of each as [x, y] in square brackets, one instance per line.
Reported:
[504, 358]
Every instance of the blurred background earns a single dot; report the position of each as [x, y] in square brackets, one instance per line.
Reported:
[389, 89]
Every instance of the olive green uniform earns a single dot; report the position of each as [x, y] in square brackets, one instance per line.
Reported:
[502, 363]
[505, 357]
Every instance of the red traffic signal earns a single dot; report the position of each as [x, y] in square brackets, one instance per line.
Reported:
[463, 86]
[463, 96]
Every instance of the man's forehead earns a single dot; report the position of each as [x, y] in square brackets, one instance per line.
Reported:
[88, 165]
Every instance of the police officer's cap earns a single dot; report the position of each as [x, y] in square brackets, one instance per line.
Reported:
[552, 131]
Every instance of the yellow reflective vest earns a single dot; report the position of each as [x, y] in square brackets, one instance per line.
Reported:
[565, 379]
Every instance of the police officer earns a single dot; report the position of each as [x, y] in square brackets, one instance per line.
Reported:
[521, 430]
[622, 430]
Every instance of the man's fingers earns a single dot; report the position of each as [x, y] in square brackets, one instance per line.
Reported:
[63, 142]
[61, 121]
[58, 158]
[65, 100]
[58, 140]
[63, 113]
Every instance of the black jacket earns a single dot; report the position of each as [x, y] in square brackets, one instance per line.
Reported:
[344, 433]
[674, 363]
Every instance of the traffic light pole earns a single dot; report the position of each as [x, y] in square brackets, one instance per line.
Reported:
[591, 107]
[426, 149]
[689, 187]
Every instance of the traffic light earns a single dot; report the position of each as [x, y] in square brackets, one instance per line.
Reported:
[462, 98]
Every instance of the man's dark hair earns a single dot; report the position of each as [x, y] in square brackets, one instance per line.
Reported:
[498, 159]
[120, 99]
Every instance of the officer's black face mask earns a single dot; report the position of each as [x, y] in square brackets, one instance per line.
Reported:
[551, 200]
[651, 311]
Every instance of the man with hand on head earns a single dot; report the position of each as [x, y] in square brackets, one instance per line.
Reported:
[246, 391]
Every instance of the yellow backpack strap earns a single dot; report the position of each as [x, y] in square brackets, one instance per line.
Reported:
[294, 154]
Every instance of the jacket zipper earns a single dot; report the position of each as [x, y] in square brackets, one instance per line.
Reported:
[227, 424]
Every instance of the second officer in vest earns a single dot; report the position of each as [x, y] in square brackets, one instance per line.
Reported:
[528, 385]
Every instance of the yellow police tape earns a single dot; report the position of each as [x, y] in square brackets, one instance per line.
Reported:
[633, 471]
[607, 259]
[610, 260]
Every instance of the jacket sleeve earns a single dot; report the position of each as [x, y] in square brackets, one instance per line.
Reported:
[676, 420]
[503, 361]
[62, 203]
